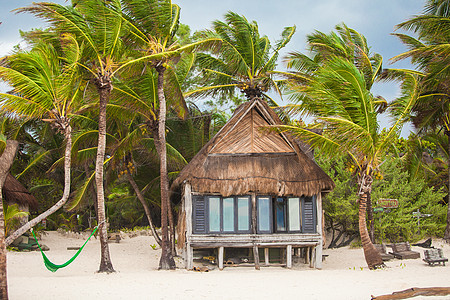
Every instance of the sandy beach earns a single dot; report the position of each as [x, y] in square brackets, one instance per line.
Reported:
[344, 275]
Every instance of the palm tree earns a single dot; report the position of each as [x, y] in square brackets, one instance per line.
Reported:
[154, 24]
[8, 150]
[48, 88]
[333, 88]
[245, 61]
[140, 96]
[100, 27]
[430, 53]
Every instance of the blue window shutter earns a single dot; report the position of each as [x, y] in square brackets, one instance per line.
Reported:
[309, 215]
[199, 214]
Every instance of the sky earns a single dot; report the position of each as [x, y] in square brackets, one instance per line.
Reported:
[375, 19]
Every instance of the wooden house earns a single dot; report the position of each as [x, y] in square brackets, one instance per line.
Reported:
[248, 188]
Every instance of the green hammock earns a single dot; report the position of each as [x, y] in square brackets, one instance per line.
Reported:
[53, 267]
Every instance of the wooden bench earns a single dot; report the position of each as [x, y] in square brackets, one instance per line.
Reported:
[403, 251]
[381, 248]
[434, 256]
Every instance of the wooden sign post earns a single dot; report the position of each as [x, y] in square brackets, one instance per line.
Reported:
[417, 214]
[388, 203]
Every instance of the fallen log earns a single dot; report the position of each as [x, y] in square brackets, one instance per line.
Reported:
[413, 292]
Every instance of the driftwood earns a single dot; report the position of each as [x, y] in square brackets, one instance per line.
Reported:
[413, 292]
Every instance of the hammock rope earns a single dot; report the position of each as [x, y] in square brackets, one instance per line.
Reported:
[54, 267]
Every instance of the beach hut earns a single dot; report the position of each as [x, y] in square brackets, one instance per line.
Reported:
[248, 188]
[15, 193]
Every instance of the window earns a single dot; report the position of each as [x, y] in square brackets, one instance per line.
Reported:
[286, 214]
[280, 214]
[294, 214]
[228, 214]
[243, 212]
[215, 214]
[264, 214]
[223, 215]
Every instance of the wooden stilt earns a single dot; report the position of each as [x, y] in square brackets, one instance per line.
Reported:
[289, 256]
[313, 257]
[256, 257]
[221, 251]
[266, 256]
[307, 255]
[189, 257]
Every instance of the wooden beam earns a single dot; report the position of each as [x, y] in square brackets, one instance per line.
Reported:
[413, 292]
[289, 256]
[221, 251]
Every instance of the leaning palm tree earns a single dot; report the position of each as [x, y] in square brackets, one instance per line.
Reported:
[429, 52]
[8, 150]
[245, 61]
[335, 92]
[47, 87]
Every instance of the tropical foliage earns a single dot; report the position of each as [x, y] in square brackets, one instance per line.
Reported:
[333, 87]
[118, 91]
[429, 52]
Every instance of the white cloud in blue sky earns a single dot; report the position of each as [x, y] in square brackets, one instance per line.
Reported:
[376, 19]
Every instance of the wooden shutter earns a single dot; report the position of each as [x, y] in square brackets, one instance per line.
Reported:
[309, 215]
[199, 217]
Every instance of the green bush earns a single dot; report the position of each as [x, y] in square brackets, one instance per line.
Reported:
[399, 224]
[341, 207]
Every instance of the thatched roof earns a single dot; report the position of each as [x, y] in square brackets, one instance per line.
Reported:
[15, 192]
[241, 159]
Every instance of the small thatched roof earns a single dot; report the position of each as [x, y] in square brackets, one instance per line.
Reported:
[15, 192]
[241, 159]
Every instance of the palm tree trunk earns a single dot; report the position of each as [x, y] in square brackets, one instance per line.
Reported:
[6, 160]
[370, 219]
[67, 165]
[373, 258]
[104, 90]
[87, 174]
[447, 228]
[145, 205]
[166, 261]
[157, 142]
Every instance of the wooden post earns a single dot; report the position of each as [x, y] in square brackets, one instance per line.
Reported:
[289, 256]
[266, 256]
[221, 251]
[312, 263]
[189, 256]
[256, 256]
[307, 255]
[319, 247]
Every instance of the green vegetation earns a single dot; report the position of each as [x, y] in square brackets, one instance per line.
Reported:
[392, 225]
[107, 116]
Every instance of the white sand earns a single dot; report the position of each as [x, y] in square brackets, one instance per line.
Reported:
[344, 276]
